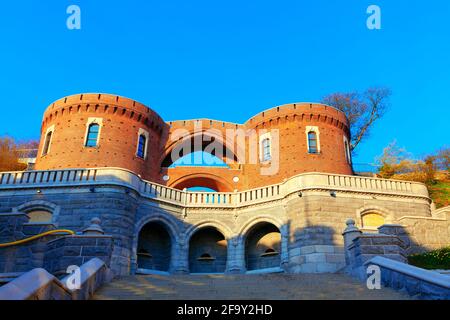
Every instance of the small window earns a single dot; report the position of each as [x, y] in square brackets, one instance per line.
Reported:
[266, 150]
[372, 221]
[39, 216]
[312, 142]
[141, 146]
[47, 141]
[92, 136]
[347, 152]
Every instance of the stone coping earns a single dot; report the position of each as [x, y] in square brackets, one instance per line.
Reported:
[12, 214]
[28, 284]
[313, 181]
[80, 236]
[88, 270]
[412, 271]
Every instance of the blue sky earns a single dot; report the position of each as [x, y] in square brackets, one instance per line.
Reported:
[229, 60]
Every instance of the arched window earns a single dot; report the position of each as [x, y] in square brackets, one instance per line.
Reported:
[141, 146]
[92, 135]
[41, 216]
[372, 220]
[47, 141]
[312, 142]
[266, 156]
[346, 151]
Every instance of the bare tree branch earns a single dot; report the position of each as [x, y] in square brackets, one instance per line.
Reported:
[362, 110]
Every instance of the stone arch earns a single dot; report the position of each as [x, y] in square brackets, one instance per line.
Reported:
[207, 247]
[261, 219]
[208, 180]
[168, 224]
[40, 205]
[252, 240]
[385, 215]
[221, 227]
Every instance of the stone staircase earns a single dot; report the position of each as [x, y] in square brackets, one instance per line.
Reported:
[253, 287]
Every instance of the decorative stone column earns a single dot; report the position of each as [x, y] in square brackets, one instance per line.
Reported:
[180, 258]
[284, 248]
[236, 255]
[94, 228]
[350, 233]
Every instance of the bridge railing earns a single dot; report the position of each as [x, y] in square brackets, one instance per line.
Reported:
[158, 192]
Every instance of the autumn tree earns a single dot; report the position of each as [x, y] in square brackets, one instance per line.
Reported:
[393, 161]
[361, 109]
[10, 152]
[443, 159]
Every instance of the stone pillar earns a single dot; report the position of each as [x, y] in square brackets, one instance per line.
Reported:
[94, 228]
[284, 263]
[180, 258]
[236, 255]
[350, 233]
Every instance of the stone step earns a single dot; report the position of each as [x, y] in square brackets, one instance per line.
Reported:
[236, 287]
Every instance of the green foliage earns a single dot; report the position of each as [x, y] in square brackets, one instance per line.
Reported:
[436, 259]
[440, 193]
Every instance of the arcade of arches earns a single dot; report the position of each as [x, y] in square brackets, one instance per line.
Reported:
[208, 249]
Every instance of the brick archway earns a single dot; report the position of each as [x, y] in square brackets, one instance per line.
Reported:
[207, 180]
[229, 153]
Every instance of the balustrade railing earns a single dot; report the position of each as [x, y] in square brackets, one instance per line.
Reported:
[99, 176]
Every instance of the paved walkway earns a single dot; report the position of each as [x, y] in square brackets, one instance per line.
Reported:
[261, 287]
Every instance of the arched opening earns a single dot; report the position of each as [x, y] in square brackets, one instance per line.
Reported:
[199, 159]
[92, 135]
[188, 150]
[154, 247]
[263, 247]
[371, 221]
[312, 142]
[207, 251]
[142, 144]
[39, 216]
[48, 139]
[202, 180]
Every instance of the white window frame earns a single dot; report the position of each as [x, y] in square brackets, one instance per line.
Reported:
[146, 135]
[52, 130]
[348, 154]
[316, 130]
[263, 137]
[90, 121]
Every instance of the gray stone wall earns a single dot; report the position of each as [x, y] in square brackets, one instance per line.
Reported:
[310, 223]
[76, 250]
[21, 258]
[115, 206]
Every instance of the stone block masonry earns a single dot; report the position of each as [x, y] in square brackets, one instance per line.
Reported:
[76, 250]
[305, 215]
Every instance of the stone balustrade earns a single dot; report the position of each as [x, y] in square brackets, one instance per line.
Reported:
[421, 283]
[122, 177]
[38, 284]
